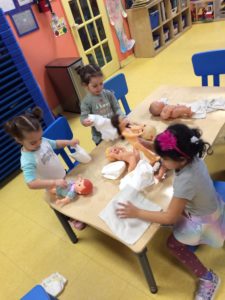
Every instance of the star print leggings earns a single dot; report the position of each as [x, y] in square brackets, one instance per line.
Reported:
[183, 253]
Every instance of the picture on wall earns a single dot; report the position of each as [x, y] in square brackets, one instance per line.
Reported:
[24, 21]
[24, 2]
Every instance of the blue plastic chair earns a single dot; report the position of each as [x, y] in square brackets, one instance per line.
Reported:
[209, 63]
[220, 188]
[118, 85]
[60, 130]
[38, 293]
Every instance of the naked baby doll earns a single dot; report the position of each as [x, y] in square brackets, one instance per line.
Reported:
[80, 186]
[132, 132]
[120, 153]
[166, 111]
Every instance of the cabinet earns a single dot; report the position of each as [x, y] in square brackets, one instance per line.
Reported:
[66, 81]
[155, 25]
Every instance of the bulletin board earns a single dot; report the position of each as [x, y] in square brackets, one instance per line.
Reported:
[21, 15]
[12, 6]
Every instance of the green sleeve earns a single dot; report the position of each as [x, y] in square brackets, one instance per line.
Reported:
[85, 109]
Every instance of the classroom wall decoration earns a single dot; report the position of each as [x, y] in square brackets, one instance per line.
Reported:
[24, 21]
[21, 14]
[116, 14]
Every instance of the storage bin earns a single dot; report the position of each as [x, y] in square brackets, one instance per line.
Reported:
[175, 28]
[184, 22]
[166, 33]
[154, 18]
[174, 11]
[156, 41]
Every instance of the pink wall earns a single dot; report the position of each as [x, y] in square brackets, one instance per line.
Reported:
[41, 46]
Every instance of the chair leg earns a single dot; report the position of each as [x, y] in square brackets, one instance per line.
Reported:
[64, 221]
[147, 271]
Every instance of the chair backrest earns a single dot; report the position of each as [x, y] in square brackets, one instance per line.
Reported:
[118, 85]
[209, 63]
[60, 130]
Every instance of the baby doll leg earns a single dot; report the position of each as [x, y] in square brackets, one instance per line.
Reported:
[63, 201]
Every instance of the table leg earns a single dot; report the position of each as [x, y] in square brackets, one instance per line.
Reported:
[64, 221]
[147, 271]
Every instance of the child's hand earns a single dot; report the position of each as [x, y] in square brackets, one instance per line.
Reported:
[74, 142]
[127, 210]
[60, 183]
[87, 122]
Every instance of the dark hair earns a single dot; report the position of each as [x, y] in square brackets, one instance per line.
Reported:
[183, 135]
[89, 71]
[115, 120]
[28, 122]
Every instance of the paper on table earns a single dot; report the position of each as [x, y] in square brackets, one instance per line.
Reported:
[128, 230]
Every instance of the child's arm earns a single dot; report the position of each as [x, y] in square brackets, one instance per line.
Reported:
[85, 111]
[64, 143]
[114, 103]
[170, 216]
[46, 183]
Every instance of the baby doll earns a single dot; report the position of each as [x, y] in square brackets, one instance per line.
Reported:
[166, 111]
[66, 195]
[132, 132]
[120, 153]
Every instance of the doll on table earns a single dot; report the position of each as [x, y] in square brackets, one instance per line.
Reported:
[120, 153]
[63, 196]
[132, 133]
[79, 186]
[166, 111]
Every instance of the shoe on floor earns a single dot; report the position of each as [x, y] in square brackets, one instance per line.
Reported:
[77, 224]
[207, 288]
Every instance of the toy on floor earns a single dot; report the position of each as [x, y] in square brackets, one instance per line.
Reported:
[166, 111]
[120, 153]
[132, 132]
[81, 186]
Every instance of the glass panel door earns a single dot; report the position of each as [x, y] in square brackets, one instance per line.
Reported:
[91, 31]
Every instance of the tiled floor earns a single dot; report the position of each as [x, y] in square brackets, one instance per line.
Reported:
[33, 245]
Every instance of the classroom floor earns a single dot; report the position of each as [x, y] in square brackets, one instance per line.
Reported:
[33, 244]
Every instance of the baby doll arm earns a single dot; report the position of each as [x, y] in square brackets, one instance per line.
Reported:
[167, 112]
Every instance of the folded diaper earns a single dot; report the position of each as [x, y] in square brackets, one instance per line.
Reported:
[140, 178]
[54, 284]
[114, 170]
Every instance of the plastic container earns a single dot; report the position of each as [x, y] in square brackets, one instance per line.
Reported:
[175, 28]
[154, 18]
[156, 41]
[166, 33]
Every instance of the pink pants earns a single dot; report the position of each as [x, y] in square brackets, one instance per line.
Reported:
[186, 256]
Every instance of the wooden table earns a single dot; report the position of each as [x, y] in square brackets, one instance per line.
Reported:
[87, 208]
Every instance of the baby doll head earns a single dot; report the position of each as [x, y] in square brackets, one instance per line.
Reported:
[83, 186]
[120, 123]
[149, 132]
[113, 150]
[125, 128]
[156, 108]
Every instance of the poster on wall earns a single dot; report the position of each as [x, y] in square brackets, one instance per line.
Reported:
[24, 22]
[7, 5]
[24, 2]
